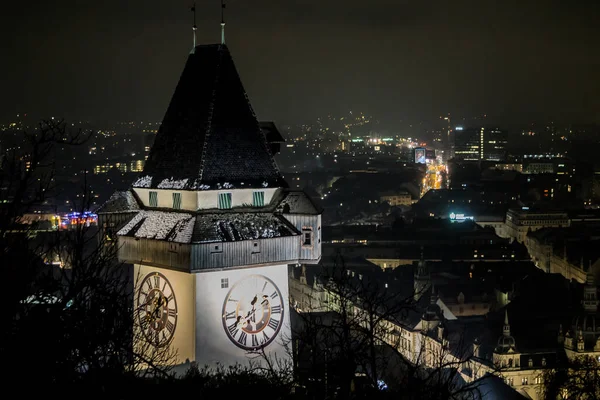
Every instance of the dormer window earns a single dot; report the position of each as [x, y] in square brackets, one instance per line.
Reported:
[258, 199]
[153, 199]
[177, 201]
[224, 201]
[530, 362]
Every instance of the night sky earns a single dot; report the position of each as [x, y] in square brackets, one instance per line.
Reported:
[398, 60]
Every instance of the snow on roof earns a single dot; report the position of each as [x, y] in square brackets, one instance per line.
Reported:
[120, 202]
[169, 226]
[232, 227]
[297, 202]
[206, 228]
[143, 182]
[187, 184]
[172, 184]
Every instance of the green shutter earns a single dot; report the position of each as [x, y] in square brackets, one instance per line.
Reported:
[176, 201]
[153, 199]
[224, 200]
[258, 199]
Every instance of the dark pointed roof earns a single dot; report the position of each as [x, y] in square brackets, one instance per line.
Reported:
[210, 137]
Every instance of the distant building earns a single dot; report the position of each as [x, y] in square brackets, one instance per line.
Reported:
[480, 143]
[509, 167]
[467, 144]
[400, 198]
[493, 143]
[479, 341]
[520, 221]
[539, 168]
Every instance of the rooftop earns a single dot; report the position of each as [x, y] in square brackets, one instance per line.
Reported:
[209, 124]
[184, 227]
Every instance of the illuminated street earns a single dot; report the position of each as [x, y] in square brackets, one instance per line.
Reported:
[435, 176]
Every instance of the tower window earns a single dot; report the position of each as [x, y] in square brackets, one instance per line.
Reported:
[224, 201]
[307, 234]
[153, 199]
[224, 283]
[177, 201]
[258, 199]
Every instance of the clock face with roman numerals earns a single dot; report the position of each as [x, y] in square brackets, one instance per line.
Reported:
[253, 312]
[157, 309]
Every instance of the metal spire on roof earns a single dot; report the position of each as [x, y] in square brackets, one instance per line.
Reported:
[222, 23]
[506, 329]
[194, 27]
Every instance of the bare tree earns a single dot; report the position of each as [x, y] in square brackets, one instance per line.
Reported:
[577, 378]
[72, 319]
[349, 342]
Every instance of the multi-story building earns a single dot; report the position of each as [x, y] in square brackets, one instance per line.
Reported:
[480, 143]
[399, 198]
[493, 143]
[479, 345]
[211, 226]
[467, 143]
[519, 222]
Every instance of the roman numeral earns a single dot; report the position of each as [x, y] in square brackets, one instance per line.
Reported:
[170, 298]
[275, 295]
[273, 324]
[230, 315]
[264, 287]
[242, 338]
[172, 312]
[232, 300]
[276, 310]
[170, 326]
[254, 341]
[156, 281]
[265, 337]
[233, 329]
[144, 293]
[149, 284]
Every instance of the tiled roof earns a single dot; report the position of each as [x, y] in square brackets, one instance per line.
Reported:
[298, 202]
[184, 227]
[231, 227]
[210, 136]
[120, 202]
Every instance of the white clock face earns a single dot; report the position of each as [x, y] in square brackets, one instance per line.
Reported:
[253, 312]
[157, 309]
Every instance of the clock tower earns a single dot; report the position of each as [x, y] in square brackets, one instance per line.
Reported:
[211, 226]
